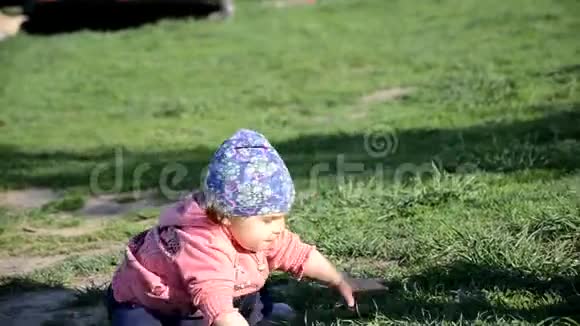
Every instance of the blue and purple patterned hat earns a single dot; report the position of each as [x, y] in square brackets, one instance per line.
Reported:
[247, 177]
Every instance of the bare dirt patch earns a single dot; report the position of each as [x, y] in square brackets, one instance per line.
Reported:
[27, 198]
[387, 94]
[108, 205]
[85, 228]
[22, 265]
[10, 266]
[380, 96]
[288, 3]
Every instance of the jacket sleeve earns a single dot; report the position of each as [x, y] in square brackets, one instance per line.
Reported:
[288, 253]
[206, 268]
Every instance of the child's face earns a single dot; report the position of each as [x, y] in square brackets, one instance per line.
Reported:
[256, 233]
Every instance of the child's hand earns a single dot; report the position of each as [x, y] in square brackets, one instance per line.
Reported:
[346, 291]
[319, 268]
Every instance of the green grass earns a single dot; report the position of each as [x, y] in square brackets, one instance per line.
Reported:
[472, 216]
[21, 242]
[63, 274]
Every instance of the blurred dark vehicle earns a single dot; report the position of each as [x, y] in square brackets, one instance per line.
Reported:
[61, 16]
[226, 7]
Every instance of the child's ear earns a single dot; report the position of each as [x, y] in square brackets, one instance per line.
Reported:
[226, 221]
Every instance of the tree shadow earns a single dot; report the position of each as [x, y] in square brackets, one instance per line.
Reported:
[549, 143]
[459, 292]
[30, 302]
[467, 282]
[64, 17]
[13, 285]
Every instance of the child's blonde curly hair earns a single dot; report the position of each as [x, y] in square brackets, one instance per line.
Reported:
[212, 211]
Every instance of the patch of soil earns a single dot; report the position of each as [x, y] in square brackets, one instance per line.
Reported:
[27, 198]
[289, 3]
[96, 206]
[380, 96]
[109, 205]
[22, 265]
[386, 95]
[86, 227]
[10, 266]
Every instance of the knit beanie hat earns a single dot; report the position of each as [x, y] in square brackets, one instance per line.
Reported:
[247, 177]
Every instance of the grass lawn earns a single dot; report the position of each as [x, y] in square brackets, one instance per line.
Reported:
[464, 194]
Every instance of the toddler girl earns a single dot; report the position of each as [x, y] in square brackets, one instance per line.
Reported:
[207, 260]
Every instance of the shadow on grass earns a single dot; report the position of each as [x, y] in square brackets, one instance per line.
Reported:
[25, 301]
[461, 292]
[89, 295]
[64, 17]
[456, 292]
[13, 285]
[550, 143]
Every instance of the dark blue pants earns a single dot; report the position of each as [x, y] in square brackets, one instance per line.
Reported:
[124, 314]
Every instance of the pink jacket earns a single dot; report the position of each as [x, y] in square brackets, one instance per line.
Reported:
[188, 262]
